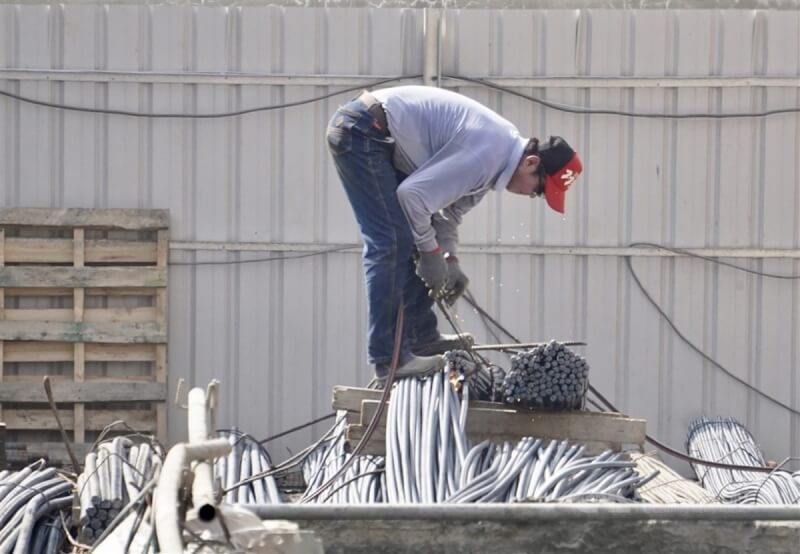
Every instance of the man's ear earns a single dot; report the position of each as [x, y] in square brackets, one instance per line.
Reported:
[532, 161]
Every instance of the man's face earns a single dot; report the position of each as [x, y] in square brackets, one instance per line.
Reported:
[528, 178]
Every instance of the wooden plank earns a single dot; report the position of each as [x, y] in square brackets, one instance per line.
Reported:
[36, 379]
[74, 277]
[64, 331]
[85, 392]
[120, 352]
[63, 352]
[21, 454]
[350, 398]
[94, 291]
[2, 309]
[161, 350]
[96, 420]
[79, 373]
[573, 425]
[79, 361]
[103, 218]
[145, 313]
[3, 460]
[37, 250]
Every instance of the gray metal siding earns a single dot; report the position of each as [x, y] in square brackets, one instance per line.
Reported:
[280, 334]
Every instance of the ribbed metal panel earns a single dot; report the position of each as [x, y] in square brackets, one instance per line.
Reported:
[280, 334]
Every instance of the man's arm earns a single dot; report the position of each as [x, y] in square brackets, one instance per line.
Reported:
[443, 181]
[446, 221]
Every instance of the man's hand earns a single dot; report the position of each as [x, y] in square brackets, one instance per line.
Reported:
[432, 269]
[457, 281]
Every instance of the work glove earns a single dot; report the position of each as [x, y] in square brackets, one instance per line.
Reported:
[432, 269]
[457, 281]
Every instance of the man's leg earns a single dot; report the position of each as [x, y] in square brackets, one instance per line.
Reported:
[421, 323]
[363, 158]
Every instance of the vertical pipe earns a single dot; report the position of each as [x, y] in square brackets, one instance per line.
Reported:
[203, 484]
[431, 28]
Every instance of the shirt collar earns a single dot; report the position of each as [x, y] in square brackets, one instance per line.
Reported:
[511, 164]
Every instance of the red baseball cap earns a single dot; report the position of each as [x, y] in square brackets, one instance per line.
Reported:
[562, 165]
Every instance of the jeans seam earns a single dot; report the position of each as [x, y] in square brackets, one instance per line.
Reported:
[386, 213]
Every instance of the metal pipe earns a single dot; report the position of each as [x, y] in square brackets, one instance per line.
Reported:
[431, 29]
[203, 497]
[165, 499]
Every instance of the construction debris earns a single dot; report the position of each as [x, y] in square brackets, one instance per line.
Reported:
[430, 458]
[726, 440]
[33, 503]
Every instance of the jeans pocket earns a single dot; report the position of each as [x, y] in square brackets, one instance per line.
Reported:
[340, 141]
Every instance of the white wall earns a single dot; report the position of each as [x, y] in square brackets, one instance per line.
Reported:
[280, 334]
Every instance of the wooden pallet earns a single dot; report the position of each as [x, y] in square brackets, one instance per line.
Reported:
[83, 298]
[498, 422]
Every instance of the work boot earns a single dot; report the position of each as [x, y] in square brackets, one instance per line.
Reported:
[443, 344]
[413, 366]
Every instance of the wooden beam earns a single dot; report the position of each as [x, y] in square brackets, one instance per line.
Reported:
[2, 310]
[350, 398]
[577, 426]
[162, 260]
[63, 352]
[79, 354]
[91, 314]
[85, 392]
[54, 251]
[103, 218]
[109, 332]
[96, 420]
[74, 277]
[55, 453]
[95, 291]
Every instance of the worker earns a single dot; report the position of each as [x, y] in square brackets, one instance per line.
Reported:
[413, 160]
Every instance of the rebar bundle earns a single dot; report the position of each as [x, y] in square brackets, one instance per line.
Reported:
[726, 440]
[115, 473]
[32, 503]
[547, 376]
[246, 459]
[430, 459]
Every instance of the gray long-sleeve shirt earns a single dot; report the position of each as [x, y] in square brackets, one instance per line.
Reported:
[454, 150]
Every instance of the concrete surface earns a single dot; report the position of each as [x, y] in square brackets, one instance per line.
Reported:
[585, 537]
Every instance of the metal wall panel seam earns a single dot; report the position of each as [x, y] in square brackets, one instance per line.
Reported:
[232, 78]
[555, 250]
[759, 60]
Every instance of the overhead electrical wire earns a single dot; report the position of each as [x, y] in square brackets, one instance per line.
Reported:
[567, 108]
[689, 343]
[215, 115]
[711, 259]
[623, 113]
[270, 258]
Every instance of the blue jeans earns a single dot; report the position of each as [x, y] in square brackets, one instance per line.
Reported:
[362, 153]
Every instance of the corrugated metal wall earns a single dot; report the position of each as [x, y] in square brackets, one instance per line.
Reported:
[280, 334]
